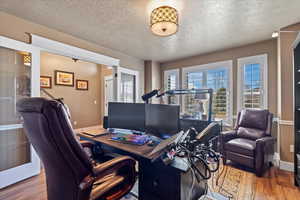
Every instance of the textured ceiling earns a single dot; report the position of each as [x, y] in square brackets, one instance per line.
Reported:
[123, 25]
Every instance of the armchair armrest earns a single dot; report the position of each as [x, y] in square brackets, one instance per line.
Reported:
[264, 153]
[227, 135]
[265, 145]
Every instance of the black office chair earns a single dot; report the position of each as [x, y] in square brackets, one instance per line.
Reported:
[70, 173]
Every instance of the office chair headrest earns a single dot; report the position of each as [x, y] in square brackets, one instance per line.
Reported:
[35, 104]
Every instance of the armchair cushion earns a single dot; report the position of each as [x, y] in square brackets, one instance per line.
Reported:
[241, 146]
[254, 118]
[250, 133]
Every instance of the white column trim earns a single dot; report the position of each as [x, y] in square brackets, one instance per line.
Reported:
[286, 122]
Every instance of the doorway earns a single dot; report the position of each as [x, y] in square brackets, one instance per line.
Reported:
[127, 85]
[19, 78]
[108, 92]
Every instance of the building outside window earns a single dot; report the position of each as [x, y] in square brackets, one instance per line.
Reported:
[171, 82]
[217, 76]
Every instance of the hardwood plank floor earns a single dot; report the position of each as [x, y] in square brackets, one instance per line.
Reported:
[274, 185]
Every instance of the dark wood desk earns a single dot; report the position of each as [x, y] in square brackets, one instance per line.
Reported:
[157, 181]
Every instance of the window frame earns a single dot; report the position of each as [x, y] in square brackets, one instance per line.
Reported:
[261, 59]
[211, 66]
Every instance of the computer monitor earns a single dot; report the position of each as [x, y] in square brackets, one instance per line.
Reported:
[162, 120]
[126, 116]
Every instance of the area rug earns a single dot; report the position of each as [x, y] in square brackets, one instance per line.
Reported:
[229, 183]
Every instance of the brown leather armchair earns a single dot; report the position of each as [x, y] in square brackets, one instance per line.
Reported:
[70, 173]
[250, 143]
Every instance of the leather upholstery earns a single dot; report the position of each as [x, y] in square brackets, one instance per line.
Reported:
[250, 143]
[241, 146]
[70, 173]
[254, 118]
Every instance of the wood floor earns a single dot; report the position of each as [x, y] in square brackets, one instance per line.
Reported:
[275, 185]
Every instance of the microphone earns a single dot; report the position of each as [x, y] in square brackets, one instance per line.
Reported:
[149, 95]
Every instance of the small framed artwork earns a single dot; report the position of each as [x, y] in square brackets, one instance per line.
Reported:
[46, 82]
[64, 78]
[82, 84]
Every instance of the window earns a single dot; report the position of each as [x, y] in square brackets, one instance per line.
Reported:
[217, 76]
[252, 82]
[171, 82]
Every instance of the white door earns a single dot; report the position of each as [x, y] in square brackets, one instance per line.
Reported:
[19, 78]
[109, 92]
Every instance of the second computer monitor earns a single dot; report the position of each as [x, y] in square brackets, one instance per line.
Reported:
[126, 116]
[162, 120]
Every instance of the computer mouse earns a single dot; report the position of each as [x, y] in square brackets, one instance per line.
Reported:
[151, 143]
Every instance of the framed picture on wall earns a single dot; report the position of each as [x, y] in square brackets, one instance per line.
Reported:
[46, 82]
[64, 78]
[82, 84]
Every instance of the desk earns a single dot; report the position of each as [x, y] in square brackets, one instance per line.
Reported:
[157, 181]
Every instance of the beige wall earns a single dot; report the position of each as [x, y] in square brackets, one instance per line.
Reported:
[85, 106]
[152, 78]
[286, 108]
[156, 75]
[16, 28]
[148, 76]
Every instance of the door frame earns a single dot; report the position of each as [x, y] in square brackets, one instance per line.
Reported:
[21, 172]
[106, 78]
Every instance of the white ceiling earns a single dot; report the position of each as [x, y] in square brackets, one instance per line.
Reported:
[123, 25]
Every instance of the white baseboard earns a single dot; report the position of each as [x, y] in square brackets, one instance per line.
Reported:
[276, 160]
[287, 166]
[78, 130]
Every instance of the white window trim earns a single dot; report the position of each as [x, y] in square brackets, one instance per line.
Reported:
[137, 79]
[260, 59]
[216, 65]
[167, 73]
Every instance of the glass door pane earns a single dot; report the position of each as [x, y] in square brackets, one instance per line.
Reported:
[15, 76]
[128, 88]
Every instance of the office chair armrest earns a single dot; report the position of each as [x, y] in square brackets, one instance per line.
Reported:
[113, 165]
[109, 167]
[87, 144]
